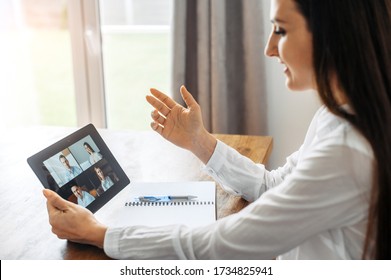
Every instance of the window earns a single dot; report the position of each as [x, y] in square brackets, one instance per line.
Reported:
[136, 50]
[36, 64]
[69, 63]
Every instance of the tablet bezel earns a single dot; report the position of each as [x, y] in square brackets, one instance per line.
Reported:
[36, 163]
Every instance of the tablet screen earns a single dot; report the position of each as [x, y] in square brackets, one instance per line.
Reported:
[80, 168]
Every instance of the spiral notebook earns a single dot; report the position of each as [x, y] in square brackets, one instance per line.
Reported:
[196, 212]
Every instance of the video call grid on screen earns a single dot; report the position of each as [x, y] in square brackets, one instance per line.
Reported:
[81, 169]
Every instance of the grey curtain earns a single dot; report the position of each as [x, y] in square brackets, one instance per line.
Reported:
[218, 54]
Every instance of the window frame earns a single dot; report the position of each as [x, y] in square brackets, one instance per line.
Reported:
[86, 40]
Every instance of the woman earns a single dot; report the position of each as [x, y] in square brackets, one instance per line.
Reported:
[331, 199]
[105, 181]
[94, 156]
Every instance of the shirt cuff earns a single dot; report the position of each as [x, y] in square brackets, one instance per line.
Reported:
[111, 242]
[216, 163]
[217, 159]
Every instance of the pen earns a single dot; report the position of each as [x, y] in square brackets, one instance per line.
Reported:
[165, 198]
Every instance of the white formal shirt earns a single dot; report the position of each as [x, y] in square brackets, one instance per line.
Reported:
[314, 207]
[95, 157]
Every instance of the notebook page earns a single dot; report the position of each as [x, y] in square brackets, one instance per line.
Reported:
[199, 212]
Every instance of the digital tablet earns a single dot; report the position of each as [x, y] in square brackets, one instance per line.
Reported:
[81, 169]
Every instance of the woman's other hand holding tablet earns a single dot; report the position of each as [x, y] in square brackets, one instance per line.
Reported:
[73, 222]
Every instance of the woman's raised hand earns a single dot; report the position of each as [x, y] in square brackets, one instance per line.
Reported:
[179, 125]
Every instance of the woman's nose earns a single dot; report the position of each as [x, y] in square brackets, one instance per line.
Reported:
[271, 48]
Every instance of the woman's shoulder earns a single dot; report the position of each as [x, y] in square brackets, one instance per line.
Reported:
[333, 130]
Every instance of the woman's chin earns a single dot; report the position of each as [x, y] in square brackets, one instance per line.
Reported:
[294, 86]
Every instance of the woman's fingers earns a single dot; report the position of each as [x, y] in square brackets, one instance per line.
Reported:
[170, 103]
[187, 97]
[161, 102]
[157, 117]
[158, 105]
[158, 128]
[54, 201]
[158, 123]
[167, 112]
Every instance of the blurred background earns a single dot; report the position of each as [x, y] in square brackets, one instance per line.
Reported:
[49, 74]
[36, 60]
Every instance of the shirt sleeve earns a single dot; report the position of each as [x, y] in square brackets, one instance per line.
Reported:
[299, 208]
[141, 242]
[240, 176]
[320, 195]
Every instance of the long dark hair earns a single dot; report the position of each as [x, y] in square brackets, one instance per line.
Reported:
[89, 146]
[352, 41]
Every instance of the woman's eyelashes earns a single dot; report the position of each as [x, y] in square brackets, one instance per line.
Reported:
[279, 31]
